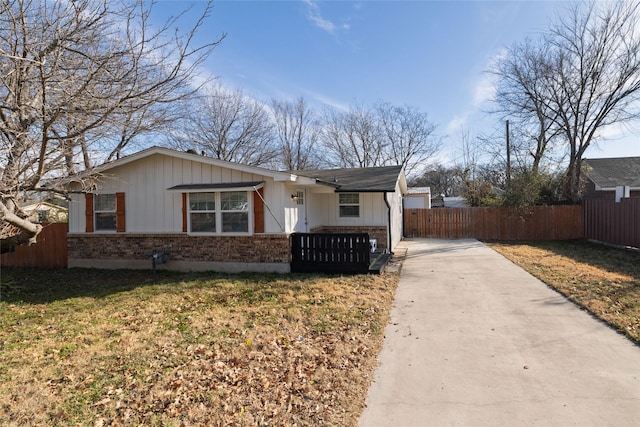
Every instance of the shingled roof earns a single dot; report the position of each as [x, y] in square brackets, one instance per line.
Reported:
[357, 180]
[613, 172]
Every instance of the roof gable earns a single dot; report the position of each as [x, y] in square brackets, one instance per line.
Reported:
[613, 172]
[276, 175]
[360, 180]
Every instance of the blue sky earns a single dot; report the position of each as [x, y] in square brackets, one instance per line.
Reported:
[427, 54]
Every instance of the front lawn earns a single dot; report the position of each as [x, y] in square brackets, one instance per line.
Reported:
[90, 347]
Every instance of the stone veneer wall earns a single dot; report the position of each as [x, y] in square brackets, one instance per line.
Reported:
[375, 232]
[259, 248]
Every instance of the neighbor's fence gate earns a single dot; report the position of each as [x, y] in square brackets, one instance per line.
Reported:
[611, 222]
[496, 223]
[330, 253]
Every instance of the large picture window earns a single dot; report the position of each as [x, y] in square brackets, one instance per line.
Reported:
[220, 212]
[105, 212]
[349, 205]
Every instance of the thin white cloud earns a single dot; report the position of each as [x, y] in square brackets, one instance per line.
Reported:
[458, 122]
[484, 91]
[321, 99]
[314, 15]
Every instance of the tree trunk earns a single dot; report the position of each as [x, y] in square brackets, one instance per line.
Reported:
[28, 230]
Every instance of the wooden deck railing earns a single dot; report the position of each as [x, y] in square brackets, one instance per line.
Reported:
[330, 252]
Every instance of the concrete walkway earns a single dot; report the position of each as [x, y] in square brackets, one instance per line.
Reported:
[476, 341]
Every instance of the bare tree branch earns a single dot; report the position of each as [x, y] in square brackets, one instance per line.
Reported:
[80, 79]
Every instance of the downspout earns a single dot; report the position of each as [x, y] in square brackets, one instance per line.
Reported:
[389, 240]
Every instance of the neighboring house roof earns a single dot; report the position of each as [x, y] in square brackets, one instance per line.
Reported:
[456, 202]
[607, 174]
[419, 190]
[360, 180]
[43, 205]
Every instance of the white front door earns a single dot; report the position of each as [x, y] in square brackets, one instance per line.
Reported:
[300, 225]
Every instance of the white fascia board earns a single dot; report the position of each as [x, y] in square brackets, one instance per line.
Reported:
[277, 176]
[598, 188]
[301, 180]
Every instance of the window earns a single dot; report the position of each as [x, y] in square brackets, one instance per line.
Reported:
[231, 215]
[349, 205]
[105, 212]
[203, 212]
[235, 212]
[43, 215]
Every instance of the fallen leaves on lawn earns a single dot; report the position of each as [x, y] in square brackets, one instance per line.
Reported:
[232, 351]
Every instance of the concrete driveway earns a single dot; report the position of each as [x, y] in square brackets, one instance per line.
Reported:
[475, 340]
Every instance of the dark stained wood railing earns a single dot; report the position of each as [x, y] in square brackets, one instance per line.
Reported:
[330, 253]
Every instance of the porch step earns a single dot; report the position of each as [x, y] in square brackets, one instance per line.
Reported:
[378, 262]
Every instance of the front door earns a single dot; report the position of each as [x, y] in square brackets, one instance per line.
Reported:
[301, 211]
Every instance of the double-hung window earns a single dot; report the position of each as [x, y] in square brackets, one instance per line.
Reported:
[105, 212]
[202, 208]
[349, 205]
[219, 212]
[235, 212]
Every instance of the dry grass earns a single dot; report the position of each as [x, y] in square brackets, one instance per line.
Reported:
[603, 280]
[87, 347]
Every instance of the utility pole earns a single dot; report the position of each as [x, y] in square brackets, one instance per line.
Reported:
[508, 156]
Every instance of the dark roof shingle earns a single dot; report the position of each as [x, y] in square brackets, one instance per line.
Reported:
[613, 172]
[360, 180]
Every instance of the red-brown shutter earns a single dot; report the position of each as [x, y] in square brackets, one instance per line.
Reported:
[120, 217]
[258, 211]
[184, 212]
[88, 211]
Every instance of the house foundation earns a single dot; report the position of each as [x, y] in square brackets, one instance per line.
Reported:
[230, 254]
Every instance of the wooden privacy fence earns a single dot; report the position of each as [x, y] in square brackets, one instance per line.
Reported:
[611, 222]
[496, 223]
[330, 253]
[50, 250]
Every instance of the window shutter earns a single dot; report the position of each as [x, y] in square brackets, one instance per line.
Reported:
[120, 217]
[184, 212]
[258, 211]
[88, 211]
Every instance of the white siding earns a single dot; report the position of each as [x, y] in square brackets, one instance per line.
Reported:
[395, 202]
[323, 209]
[151, 208]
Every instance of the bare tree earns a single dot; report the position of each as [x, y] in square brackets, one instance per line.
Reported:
[477, 189]
[353, 138]
[408, 135]
[228, 125]
[582, 77]
[379, 136]
[298, 132]
[597, 70]
[73, 77]
[522, 97]
[441, 180]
